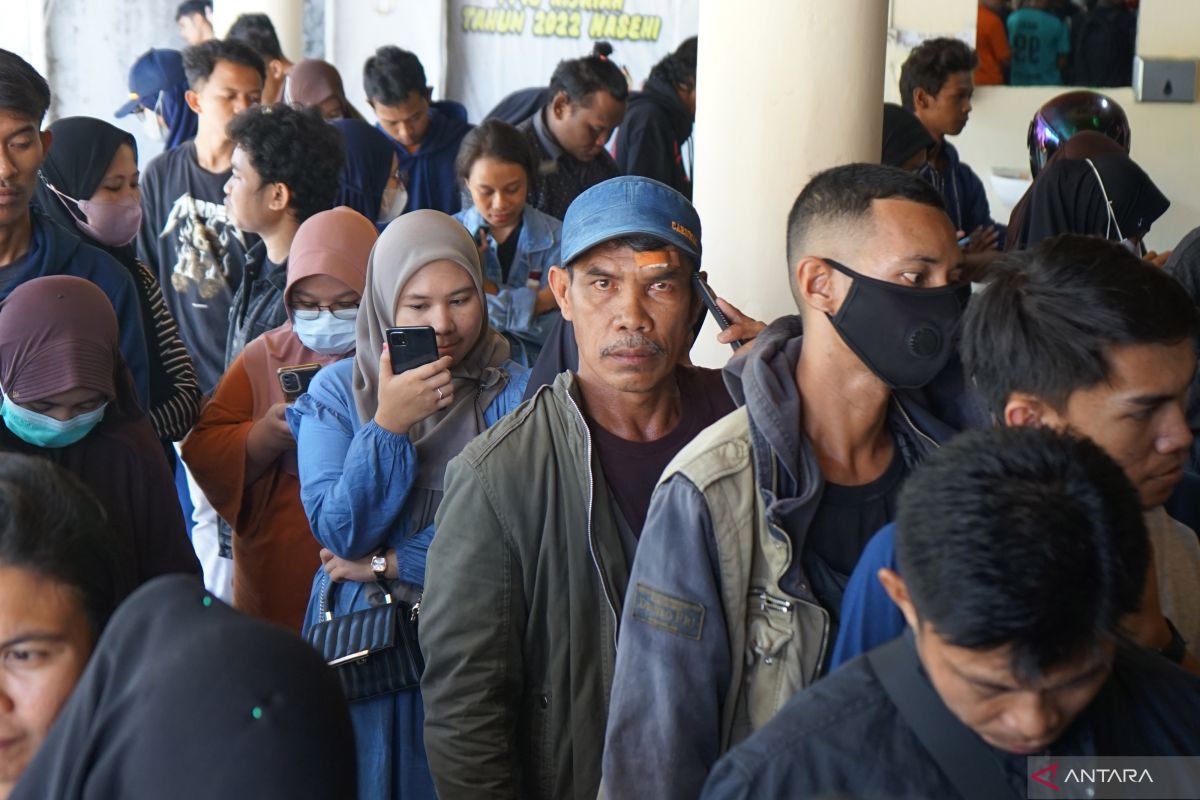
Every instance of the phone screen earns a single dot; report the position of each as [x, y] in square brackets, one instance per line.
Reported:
[411, 347]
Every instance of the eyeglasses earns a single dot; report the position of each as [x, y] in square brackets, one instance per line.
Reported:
[310, 311]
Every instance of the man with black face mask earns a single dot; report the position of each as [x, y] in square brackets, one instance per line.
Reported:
[757, 524]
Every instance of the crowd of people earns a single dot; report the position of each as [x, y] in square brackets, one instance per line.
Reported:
[1056, 42]
[342, 460]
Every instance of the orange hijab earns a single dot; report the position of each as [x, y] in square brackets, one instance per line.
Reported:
[336, 243]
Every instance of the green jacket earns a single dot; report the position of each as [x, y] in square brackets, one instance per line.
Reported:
[523, 590]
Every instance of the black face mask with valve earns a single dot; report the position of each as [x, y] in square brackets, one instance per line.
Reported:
[904, 334]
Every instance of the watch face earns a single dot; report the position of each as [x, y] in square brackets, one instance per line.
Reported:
[379, 564]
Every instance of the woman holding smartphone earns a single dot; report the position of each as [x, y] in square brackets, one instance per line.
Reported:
[373, 449]
[241, 451]
[517, 243]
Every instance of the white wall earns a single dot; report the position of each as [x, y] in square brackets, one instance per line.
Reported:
[1165, 140]
[90, 46]
[355, 28]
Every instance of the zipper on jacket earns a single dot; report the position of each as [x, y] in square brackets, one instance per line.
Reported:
[587, 434]
[912, 425]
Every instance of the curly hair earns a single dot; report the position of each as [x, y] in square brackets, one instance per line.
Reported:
[930, 64]
[294, 147]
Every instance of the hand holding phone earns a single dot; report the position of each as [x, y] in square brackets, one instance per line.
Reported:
[710, 301]
[413, 381]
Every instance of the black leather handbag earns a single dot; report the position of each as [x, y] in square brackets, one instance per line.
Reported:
[373, 651]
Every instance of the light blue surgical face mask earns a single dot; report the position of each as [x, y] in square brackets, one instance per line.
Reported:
[327, 334]
[40, 430]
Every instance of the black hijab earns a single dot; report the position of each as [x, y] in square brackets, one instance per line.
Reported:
[186, 698]
[1068, 197]
[80, 154]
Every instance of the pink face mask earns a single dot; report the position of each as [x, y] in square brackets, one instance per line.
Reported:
[111, 224]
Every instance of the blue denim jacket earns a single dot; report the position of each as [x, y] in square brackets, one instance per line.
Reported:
[511, 310]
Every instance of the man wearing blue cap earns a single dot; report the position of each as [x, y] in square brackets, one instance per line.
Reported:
[733, 600]
[157, 89]
[542, 513]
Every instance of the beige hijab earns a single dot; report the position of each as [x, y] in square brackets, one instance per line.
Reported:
[409, 243]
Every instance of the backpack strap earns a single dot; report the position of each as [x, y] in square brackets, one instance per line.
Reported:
[962, 756]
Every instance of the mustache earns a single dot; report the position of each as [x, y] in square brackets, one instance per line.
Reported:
[636, 342]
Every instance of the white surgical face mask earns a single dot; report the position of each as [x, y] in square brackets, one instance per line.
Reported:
[326, 334]
[151, 121]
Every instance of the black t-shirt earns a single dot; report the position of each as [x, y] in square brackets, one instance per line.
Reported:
[506, 251]
[189, 242]
[632, 469]
[845, 520]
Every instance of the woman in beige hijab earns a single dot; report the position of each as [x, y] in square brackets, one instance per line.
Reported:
[373, 448]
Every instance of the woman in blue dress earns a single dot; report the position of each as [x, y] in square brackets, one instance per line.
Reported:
[518, 244]
[373, 447]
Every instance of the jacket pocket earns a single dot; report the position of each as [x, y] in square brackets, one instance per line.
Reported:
[772, 665]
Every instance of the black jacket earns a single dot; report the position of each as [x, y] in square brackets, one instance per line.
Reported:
[844, 736]
[258, 302]
[650, 139]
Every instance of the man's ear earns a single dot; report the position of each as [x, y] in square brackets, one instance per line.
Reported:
[193, 100]
[896, 589]
[922, 99]
[280, 197]
[558, 106]
[814, 278]
[275, 68]
[47, 137]
[559, 280]
[1025, 410]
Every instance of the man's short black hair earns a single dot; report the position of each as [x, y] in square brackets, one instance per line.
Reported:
[200, 60]
[1023, 537]
[842, 196]
[257, 31]
[392, 74]
[295, 147]
[22, 90]
[931, 64]
[580, 78]
[191, 7]
[1049, 315]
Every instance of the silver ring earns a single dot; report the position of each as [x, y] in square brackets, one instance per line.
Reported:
[440, 395]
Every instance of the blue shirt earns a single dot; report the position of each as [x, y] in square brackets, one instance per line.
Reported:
[355, 480]
[429, 174]
[511, 310]
[1037, 38]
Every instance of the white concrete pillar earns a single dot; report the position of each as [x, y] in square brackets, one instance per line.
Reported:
[785, 90]
[286, 15]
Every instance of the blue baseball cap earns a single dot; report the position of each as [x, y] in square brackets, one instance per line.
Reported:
[629, 206]
[153, 72]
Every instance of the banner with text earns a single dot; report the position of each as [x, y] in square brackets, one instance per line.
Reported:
[500, 46]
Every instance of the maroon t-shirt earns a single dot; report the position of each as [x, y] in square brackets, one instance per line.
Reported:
[632, 469]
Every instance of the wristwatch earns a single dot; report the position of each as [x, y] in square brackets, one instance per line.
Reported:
[379, 566]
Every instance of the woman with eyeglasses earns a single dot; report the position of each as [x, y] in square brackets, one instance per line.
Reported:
[241, 451]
